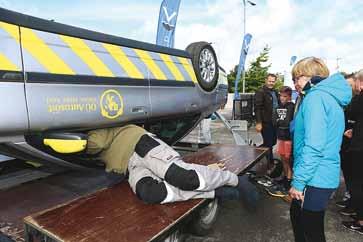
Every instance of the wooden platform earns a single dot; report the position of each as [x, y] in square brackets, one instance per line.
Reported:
[116, 214]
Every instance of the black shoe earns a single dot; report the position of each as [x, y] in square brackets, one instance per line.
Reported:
[276, 169]
[353, 226]
[348, 211]
[343, 203]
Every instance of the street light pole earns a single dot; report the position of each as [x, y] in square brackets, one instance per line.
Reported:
[338, 59]
[244, 33]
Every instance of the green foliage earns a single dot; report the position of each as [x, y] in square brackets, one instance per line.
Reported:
[255, 75]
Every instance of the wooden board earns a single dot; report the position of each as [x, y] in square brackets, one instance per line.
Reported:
[116, 214]
[32, 197]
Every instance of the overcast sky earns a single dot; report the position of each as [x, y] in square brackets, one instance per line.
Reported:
[325, 28]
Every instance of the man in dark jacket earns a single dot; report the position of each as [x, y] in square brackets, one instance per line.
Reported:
[356, 149]
[266, 100]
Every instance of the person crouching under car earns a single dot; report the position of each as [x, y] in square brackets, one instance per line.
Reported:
[157, 173]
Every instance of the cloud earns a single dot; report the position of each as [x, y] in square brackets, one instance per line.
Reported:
[326, 29]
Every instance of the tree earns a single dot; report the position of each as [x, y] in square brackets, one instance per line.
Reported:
[255, 75]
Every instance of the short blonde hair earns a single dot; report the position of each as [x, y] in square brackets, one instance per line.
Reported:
[309, 67]
[359, 75]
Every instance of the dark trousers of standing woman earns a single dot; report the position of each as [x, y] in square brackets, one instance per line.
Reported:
[269, 138]
[357, 183]
[307, 218]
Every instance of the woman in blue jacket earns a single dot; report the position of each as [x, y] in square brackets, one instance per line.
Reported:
[319, 127]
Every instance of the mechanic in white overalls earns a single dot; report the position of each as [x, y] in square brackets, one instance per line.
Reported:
[157, 174]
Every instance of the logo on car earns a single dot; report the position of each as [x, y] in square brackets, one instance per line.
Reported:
[111, 104]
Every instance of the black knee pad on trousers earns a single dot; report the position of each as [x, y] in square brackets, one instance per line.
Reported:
[184, 179]
[145, 144]
[150, 190]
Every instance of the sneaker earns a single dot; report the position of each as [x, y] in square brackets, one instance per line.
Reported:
[346, 196]
[263, 180]
[277, 191]
[265, 183]
[353, 226]
[343, 203]
[347, 211]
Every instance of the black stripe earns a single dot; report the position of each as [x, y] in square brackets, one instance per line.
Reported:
[172, 83]
[11, 76]
[58, 28]
[36, 77]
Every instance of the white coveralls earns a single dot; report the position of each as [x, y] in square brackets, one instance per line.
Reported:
[156, 163]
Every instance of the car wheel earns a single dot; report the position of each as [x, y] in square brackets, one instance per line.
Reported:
[176, 236]
[205, 64]
[203, 221]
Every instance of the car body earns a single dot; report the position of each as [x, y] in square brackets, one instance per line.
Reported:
[63, 80]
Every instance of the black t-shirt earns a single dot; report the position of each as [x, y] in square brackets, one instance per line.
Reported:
[282, 117]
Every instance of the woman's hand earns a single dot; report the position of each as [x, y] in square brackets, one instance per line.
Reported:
[295, 194]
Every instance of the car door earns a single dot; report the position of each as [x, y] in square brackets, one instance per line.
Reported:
[14, 119]
[75, 82]
[172, 85]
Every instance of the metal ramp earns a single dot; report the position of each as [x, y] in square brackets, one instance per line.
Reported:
[238, 128]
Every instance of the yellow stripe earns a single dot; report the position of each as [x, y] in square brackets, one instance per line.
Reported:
[189, 68]
[172, 67]
[149, 62]
[13, 30]
[119, 55]
[86, 54]
[45, 55]
[6, 64]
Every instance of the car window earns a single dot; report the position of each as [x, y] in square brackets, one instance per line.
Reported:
[172, 130]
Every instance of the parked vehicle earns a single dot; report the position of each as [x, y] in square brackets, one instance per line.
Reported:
[58, 81]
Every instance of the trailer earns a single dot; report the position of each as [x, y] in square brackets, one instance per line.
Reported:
[78, 206]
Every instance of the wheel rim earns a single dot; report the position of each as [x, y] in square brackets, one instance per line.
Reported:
[207, 215]
[207, 65]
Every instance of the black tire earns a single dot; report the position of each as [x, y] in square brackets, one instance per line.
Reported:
[176, 236]
[203, 221]
[205, 64]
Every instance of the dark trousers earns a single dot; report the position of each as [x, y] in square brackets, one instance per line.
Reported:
[308, 226]
[346, 165]
[269, 138]
[308, 219]
[357, 183]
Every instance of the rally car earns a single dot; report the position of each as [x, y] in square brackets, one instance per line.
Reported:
[58, 81]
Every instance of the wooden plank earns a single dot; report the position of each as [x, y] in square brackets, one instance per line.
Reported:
[116, 214]
[32, 197]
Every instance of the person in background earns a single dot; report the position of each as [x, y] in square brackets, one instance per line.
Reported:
[356, 149]
[345, 155]
[284, 115]
[319, 127]
[266, 100]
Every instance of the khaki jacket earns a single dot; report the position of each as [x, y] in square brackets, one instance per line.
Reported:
[115, 145]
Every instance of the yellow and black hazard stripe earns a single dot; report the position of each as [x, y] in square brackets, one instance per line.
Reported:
[51, 52]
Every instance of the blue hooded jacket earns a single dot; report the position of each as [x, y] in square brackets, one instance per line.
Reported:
[319, 127]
